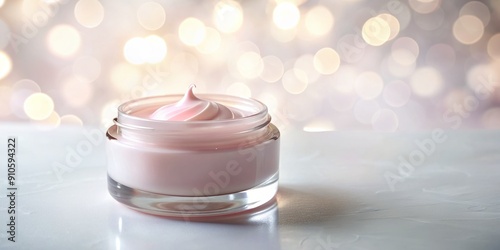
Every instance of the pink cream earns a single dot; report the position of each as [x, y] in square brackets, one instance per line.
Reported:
[212, 148]
[191, 108]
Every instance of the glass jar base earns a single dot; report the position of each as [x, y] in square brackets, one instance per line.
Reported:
[192, 206]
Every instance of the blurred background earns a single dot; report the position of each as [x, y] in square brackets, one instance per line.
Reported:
[318, 65]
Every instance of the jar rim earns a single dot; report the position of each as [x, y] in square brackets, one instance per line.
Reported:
[257, 117]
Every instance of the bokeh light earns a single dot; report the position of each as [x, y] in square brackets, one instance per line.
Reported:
[364, 110]
[441, 55]
[124, 77]
[270, 100]
[108, 112]
[38, 106]
[295, 81]
[405, 51]
[192, 31]
[369, 85]
[482, 77]
[5, 64]
[424, 6]
[397, 69]
[64, 40]
[87, 69]
[431, 21]
[239, 89]
[76, 93]
[186, 67]
[211, 43]
[296, 2]
[286, 15]
[341, 92]
[228, 16]
[151, 49]
[318, 65]
[376, 31]
[71, 120]
[250, 65]
[326, 61]
[494, 47]
[393, 23]
[397, 93]
[281, 35]
[52, 121]
[426, 82]
[151, 15]
[21, 90]
[319, 125]
[319, 20]
[156, 49]
[456, 96]
[342, 101]
[29, 8]
[345, 79]
[305, 63]
[26, 84]
[273, 69]
[468, 29]
[401, 11]
[478, 9]
[133, 50]
[89, 13]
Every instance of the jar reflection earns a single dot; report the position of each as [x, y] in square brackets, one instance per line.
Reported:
[255, 229]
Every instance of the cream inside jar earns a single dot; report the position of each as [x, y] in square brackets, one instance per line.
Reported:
[193, 155]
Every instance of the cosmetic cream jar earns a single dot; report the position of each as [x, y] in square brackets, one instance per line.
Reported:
[193, 168]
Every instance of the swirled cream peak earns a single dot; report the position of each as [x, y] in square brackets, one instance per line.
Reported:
[192, 108]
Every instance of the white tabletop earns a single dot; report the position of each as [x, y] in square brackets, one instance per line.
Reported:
[334, 194]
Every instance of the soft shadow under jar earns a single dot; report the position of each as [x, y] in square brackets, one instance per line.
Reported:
[193, 167]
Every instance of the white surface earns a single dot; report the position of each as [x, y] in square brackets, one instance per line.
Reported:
[333, 195]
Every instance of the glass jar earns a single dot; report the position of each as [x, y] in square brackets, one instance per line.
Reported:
[193, 168]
